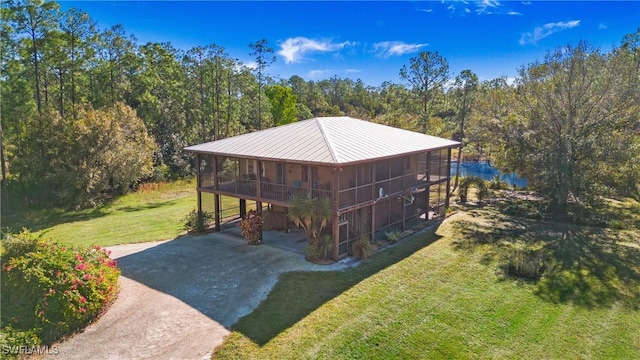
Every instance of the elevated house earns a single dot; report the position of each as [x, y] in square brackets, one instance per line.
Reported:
[379, 178]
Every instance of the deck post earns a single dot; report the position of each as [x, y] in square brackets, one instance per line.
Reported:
[374, 195]
[259, 180]
[259, 211]
[448, 176]
[216, 196]
[335, 234]
[335, 222]
[404, 214]
[198, 184]
[373, 222]
[215, 172]
[286, 220]
[309, 182]
[243, 208]
[216, 209]
[199, 202]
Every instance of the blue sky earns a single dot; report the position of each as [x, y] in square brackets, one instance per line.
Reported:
[372, 40]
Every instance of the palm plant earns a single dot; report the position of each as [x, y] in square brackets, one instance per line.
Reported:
[313, 215]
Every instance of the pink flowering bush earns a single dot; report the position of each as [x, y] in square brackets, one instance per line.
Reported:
[53, 289]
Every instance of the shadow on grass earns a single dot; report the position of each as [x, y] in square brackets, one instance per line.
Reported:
[14, 218]
[147, 206]
[297, 294]
[592, 267]
[622, 214]
[586, 266]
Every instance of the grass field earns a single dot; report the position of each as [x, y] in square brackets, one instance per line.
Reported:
[443, 293]
[446, 294]
[155, 212]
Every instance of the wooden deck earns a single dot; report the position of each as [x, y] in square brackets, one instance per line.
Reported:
[269, 192]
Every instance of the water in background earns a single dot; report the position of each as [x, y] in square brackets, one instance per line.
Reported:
[484, 170]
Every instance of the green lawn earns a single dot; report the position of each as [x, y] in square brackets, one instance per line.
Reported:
[153, 213]
[446, 295]
[441, 294]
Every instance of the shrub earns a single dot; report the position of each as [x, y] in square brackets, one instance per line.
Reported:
[197, 221]
[527, 264]
[53, 289]
[251, 227]
[393, 236]
[315, 252]
[584, 214]
[577, 213]
[497, 184]
[362, 248]
[532, 209]
[13, 341]
[464, 188]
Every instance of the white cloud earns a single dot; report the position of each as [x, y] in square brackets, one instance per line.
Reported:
[545, 30]
[479, 7]
[395, 48]
[513, 13]
[485, 5]
[426, 10]
[449, 84]
[526, 3]
[319, 74]
[294, 49]
[252, 65]
[314, 74]
[488, 3]
[602, 26]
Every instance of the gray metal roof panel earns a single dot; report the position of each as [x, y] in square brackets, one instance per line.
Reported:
[325, 140]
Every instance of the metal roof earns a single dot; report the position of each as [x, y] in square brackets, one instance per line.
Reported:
[324, 140]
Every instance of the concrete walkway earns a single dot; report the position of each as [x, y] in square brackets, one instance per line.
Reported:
[179, 298]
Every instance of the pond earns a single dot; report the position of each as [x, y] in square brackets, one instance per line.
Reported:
[484, 170]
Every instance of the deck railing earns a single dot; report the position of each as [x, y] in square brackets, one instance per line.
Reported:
[368, 192]
[206, 179]
[355, 195]
[268, 190]
[284, 193]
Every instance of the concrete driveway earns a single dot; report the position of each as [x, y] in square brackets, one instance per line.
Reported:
[179, 298]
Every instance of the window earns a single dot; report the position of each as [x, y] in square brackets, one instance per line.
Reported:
[305, 173]
[444, 163]
[251, 166]
[364, 174]
[382, 170]
[397, 167]
[438, 164]
[422, 163]
[280, 173]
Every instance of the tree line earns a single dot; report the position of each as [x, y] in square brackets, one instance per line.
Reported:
[88, 113]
